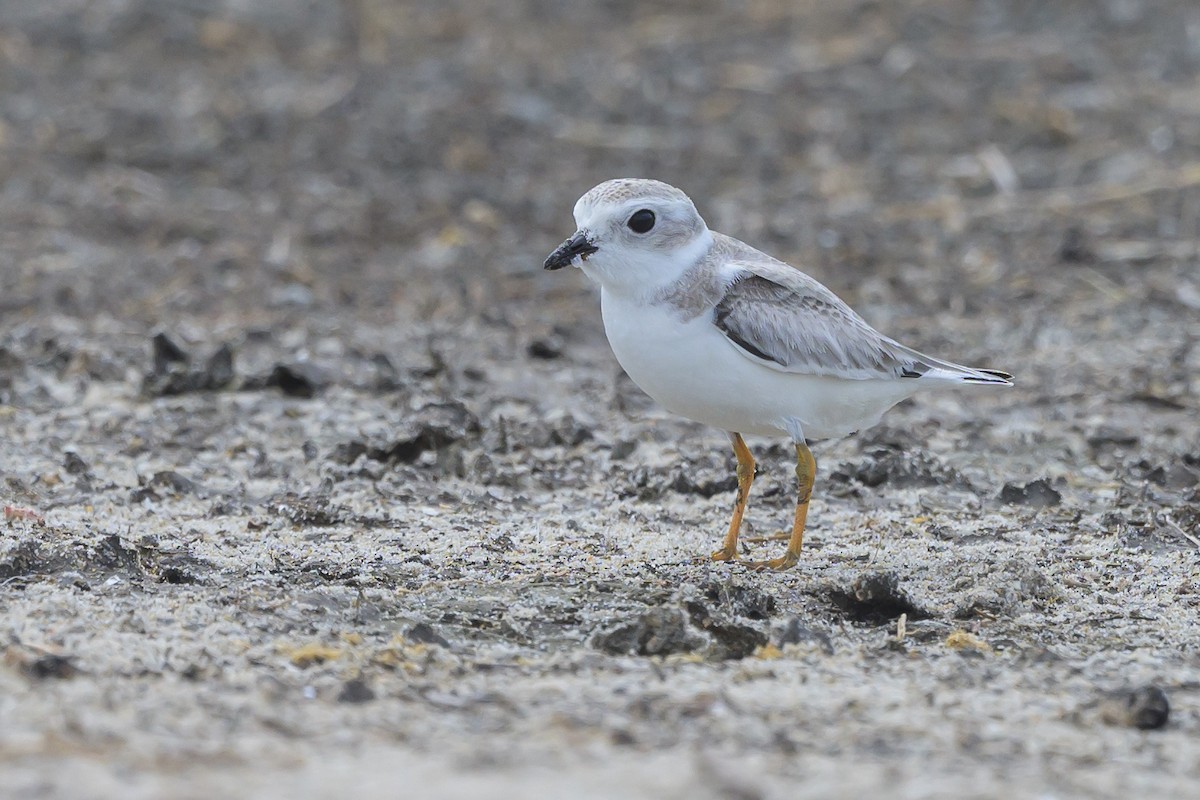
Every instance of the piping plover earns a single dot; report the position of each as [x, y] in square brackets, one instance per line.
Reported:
[723, 334]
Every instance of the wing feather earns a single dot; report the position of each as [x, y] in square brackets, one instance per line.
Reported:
[780, 317]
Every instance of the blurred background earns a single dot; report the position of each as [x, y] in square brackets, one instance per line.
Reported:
[991, 179]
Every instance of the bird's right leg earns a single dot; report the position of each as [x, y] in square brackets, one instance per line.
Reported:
[806, 471]
[745, 477]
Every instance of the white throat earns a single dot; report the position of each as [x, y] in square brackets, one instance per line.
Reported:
[633, 273]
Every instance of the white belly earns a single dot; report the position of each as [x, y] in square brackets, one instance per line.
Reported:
[694, 371]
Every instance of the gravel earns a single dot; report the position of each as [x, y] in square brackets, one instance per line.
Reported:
[316, 485]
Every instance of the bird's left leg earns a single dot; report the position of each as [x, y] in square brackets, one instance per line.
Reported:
[806, 472]
[745, 477]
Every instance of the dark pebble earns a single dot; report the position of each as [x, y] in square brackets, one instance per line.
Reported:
[387, 377]
[303, 379]
[569, 431]
[166, 352]
[1174, 476]
[355, 691]
[1035, 494]
[111, 555]
[73, 464]
[546, 348]
[1075, 248]
[50, 666]
[174, 482]
[348, 452]
[1107, 436]
[423, 633]
[685, 482]
[623, 449]
[1145, 708]
[218, 370]
[180, 569]
[172, 374]
[657, 632]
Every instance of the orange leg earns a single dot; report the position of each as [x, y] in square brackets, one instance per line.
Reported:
[806, 472]
[745, 477]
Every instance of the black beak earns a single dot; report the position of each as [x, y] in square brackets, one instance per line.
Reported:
[564, 254]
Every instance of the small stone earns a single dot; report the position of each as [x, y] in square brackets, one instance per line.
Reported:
[172, 373]
[623, 449]
[387, 378]
[423, 633]
[566, 430]
[623, 738]
[657, 632]
[1106, 436]
[173, 482]
[684, 481]
[73, 464]
[1145, 708]
[356, 691]
[1174, 476]
[166, 353]
[180, 569]
[50, 666]
[1075, 247]
[546, 348]
[1035, 494]
[348, 452]
[218, 370]
[303, 379]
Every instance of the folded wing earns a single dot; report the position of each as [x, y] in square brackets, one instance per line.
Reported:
[783, 319]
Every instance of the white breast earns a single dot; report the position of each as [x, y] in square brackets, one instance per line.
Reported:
[694, 371]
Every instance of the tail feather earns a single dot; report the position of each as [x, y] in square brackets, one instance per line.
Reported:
[956, 373]
[986, 376]
[927, 368]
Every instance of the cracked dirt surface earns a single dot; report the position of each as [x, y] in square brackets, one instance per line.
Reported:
[317, 485]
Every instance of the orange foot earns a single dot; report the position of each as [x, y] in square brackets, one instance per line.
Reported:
[725, 554]
[786, 561]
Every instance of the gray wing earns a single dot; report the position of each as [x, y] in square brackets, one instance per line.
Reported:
[784, 319]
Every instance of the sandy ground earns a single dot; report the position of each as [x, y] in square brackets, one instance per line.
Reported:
[318, 486]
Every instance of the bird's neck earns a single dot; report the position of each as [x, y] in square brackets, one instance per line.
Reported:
[650, 274]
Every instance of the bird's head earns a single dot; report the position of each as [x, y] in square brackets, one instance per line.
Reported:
[633, 235]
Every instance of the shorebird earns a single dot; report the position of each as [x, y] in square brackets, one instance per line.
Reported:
[721, 333]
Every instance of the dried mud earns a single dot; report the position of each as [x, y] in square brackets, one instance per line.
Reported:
[316, 485]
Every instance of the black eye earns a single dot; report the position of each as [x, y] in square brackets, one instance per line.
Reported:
[641, 221]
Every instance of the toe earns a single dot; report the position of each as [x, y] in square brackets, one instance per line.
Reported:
[786, 561]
